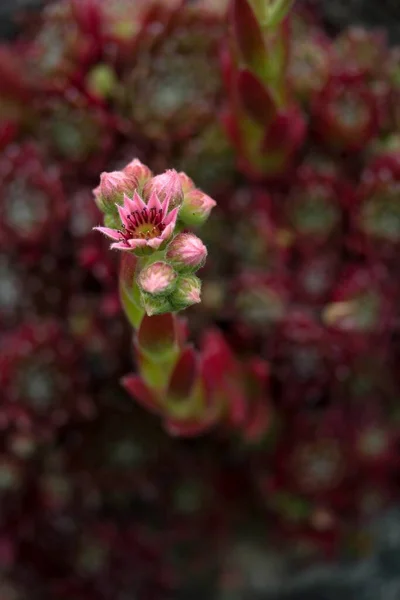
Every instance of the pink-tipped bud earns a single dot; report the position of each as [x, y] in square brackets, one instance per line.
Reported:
[112, 188]
[166, 186]
[196, 208]
[139, 171]
[186, 293]
[157, 279]
[186, 183]
[186, 253]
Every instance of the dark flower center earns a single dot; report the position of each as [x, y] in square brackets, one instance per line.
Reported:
[145, 224]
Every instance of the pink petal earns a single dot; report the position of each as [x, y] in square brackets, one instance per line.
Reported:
[138, 202]
[171, 217]
[122, 215]
[166, 234]
[129, 204]
[111, 233]
[154, 202]
[120, 246]
[165, 205]
[137, 243]
[154, 243]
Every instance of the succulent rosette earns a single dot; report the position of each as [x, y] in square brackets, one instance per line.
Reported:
[39, 370]
[16, 96]
[376, 215]
[33, 207]
[346, 113]
[174, 84]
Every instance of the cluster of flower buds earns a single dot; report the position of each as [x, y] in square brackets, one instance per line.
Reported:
[145, 216]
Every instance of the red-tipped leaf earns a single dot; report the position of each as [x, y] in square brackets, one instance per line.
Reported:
[134, 385]
[255, 98]
[157, 335]
[184, 375]
[247, 33]
[191, 428]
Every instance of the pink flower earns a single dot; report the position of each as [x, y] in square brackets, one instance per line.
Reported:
[143, 225]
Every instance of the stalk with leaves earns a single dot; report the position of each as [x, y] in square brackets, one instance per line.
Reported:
[147, 217]
[263, 123]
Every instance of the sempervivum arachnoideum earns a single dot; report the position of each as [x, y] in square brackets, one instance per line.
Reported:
[77, 131]
[42, 374]
[32, 203]
[172, 88]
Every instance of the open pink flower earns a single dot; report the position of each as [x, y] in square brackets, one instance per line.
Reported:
[143, 225]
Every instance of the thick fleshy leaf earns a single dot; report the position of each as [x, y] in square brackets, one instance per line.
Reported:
[216, 360]
[279, 11]
[247, 33]
[182, 330]
[184, 375]
[191, 428]
[157, 335]
[259, 421]
[230, 125]
[237, 402]
[255, 98]
[134, 385]
[286, 132]
[89, 16]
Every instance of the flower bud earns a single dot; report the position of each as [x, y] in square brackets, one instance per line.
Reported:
[167, 185]
[156, 305]
[186, 253]
[137, 170]
[186, 183]
[196, 208]
[112, 188]
[157, 279]
[187, 292]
